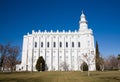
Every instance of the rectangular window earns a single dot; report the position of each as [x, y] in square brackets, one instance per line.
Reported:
[72, 44]
[78, 44]
[41, 44]
[48, 44]
[66, 44]
[54, 44]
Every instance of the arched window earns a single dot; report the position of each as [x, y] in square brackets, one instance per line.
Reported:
[41, 44]
[60, 44]
[48, 44]
[35, 44]
[78, 44]
[54, 44]
[66, 44]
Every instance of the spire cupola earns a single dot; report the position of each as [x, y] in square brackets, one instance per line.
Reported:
[83, 22]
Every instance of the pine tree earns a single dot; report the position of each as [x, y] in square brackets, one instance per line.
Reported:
[118, 62]
[97, 57]
[40, 65]
[84, 66]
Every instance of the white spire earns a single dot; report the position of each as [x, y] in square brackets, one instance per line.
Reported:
[83, 22]
[82, 14]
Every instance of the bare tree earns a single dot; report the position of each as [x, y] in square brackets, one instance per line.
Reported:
[89, 59]
[101, 62]
[106, 64]
[8, 57]
[65, 66]
[113, 62]
[4, 53]
[12, 57]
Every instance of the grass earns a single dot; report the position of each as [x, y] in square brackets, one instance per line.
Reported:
[107, 76]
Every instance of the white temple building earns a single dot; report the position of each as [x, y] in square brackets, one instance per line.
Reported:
[59, 48]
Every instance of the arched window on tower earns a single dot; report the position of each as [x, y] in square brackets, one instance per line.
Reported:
[35, 44]
[79, 44]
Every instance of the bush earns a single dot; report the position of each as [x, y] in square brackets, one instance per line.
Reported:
[40, 65]
[84, 66]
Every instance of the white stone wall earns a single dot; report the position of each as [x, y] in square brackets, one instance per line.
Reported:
[54, 57]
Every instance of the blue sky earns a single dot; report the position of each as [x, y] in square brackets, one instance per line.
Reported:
[17, 17]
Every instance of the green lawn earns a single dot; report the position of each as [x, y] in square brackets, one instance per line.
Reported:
[107, 76]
